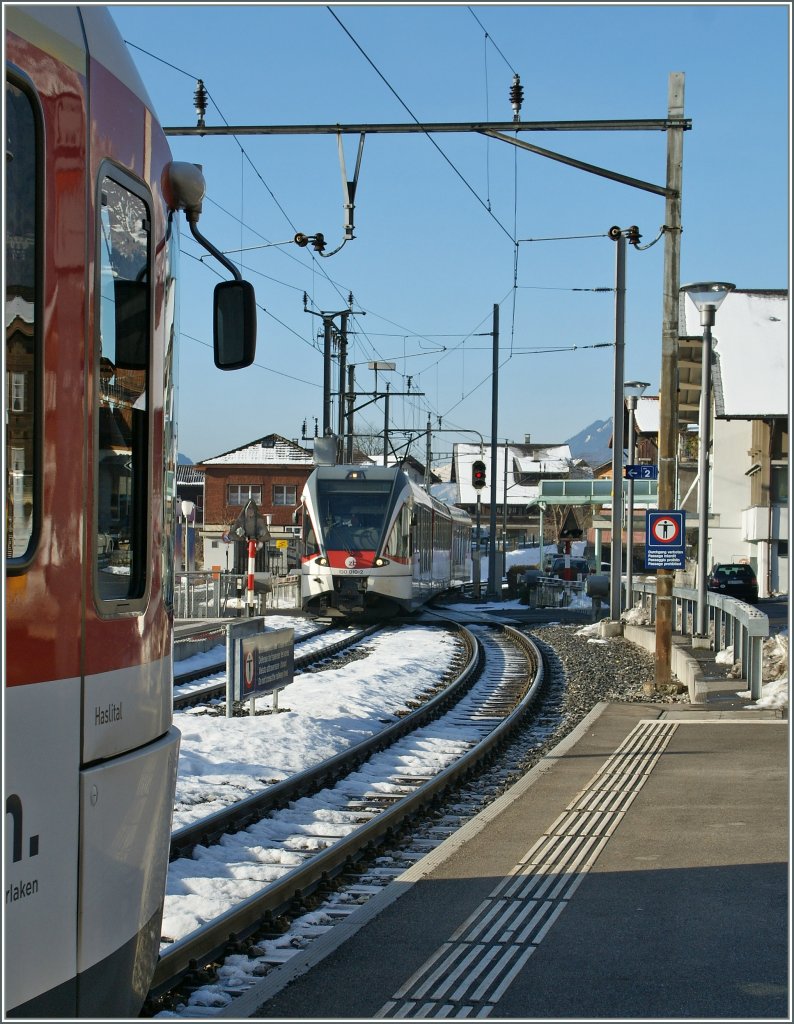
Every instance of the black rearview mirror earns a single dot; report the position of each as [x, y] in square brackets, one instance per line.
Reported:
[234, 325]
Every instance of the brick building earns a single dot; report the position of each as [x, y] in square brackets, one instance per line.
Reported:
[270, 471]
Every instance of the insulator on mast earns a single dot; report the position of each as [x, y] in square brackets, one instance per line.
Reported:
[516, 97]
[200, 103]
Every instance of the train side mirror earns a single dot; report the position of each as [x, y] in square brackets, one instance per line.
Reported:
[234, 318]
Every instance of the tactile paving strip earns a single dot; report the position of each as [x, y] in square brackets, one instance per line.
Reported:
[470, 972]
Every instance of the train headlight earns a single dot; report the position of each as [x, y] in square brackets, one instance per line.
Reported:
[380, 562]
[322, 561]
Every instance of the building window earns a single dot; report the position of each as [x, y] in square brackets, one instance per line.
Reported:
[285, 494]
[123, 517]
[16, 392]
[241, 494]
[778, 484]
[23, 327]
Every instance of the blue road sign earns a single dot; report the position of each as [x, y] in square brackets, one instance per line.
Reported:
[642, 472]
[665, 537]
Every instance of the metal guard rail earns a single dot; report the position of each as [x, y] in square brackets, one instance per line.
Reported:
[208, 595]
[729, 622]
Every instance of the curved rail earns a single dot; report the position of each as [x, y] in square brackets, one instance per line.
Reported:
[208, 943]
[244, 812]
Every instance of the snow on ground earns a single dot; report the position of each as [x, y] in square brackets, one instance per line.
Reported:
[222, 760]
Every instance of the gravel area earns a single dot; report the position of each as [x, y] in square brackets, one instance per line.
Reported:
[612, 669]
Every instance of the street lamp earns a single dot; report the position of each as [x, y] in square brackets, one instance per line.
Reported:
[708, 296]
[632, 390]
[187, 512]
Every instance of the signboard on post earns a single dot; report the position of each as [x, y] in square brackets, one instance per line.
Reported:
[642, 472]
[665, 539]
[257, 661]
[267, 663]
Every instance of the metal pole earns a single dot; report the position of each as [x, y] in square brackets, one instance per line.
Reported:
[326, 376]
[668, 395]
[251, 567]
[386, 428]
[632, 400]
[351, 401]
[616, 547]
[504, 508]
[493, 590]
[704, 429]
[477, 559]
[342, 365]
[428, 454]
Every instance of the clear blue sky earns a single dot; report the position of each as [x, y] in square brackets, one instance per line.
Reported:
[434, 247]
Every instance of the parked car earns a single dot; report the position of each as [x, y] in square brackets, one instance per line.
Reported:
[733, 580]
[578, 566]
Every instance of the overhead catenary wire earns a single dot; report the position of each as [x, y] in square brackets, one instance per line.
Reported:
[489, 36]
[411, 114]
[361, 336]
[248, 159]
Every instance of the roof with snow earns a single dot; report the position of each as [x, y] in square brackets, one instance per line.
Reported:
[646, 415]
[187, 473]
[750, 340]
[525, 465]
[271, 450]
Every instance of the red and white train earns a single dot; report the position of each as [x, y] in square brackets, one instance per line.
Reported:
[89, 750]
[375, 542]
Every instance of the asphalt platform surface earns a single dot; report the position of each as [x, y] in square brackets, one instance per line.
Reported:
[639, 872]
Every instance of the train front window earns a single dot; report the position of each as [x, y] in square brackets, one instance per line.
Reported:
[122, 458]
[22, 281]
[351, 517]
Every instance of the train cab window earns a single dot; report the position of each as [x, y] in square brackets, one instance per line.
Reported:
[22, 353]
[122, 454]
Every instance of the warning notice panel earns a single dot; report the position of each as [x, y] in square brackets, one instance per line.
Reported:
[665, 536]
[267, 661]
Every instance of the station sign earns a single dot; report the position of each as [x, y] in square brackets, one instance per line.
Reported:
[642, 472]
[665, 537]
[267, 663]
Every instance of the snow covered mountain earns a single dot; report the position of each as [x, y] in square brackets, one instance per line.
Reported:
[592, 443]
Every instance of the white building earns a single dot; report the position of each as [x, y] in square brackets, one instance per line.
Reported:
[749, 457]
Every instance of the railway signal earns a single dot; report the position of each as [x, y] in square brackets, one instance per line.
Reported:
[478, 474]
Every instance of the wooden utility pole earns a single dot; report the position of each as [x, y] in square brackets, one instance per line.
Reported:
[668, 388]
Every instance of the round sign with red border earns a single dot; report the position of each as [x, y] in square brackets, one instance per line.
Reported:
[665, 529]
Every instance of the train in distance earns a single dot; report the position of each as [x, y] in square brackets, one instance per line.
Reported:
[90, 751]
[375, 543]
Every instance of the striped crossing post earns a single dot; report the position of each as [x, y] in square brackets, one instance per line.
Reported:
[251, 564]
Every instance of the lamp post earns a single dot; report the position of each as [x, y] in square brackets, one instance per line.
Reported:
[708, 296]
[187, 512]
[632, 389]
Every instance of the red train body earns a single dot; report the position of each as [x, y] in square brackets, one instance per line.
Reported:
[90, 753]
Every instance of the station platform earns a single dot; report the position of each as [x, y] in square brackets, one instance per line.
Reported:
[639, 871]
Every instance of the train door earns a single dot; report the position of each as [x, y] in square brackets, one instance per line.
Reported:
[45, 445]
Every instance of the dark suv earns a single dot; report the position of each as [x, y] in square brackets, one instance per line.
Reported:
[733, 580]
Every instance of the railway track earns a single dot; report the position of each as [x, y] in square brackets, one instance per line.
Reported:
[299, 836]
